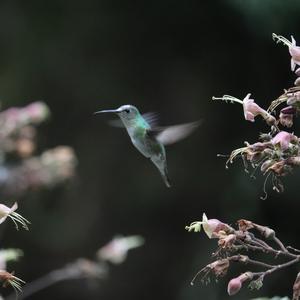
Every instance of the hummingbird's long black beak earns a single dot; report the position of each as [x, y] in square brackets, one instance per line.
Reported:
[107, 111]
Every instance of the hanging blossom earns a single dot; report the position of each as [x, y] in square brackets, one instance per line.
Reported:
[251, 109]
[116, 250]
[293, 49]
[210, 226]
[6, 212]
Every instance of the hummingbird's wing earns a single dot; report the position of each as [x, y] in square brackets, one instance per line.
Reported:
[172, 134]
[151, 118]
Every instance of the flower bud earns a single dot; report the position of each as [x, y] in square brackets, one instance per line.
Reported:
[286, 116]
[296, 287]
[297, 81]
[235, 284]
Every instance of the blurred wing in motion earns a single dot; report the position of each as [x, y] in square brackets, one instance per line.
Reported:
[116, 123]
[172, 134]
[151, 118]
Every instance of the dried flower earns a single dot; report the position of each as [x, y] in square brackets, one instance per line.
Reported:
[219, 267]
[227, 241]
[245, 225]
[286, 116]
[116, 250]
[5, 212]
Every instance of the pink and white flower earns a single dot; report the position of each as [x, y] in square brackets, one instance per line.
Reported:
[251, 109]
[283, 140]
[235, 284]
[293, 49]
[210, 226]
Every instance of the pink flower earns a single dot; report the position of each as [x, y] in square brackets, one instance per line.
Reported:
[283, 139]
[235, 284]
[295, 54]
[251, 109]
[293, 49]
[210, 226]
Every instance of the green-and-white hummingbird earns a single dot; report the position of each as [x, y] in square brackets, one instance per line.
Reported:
[150, 139]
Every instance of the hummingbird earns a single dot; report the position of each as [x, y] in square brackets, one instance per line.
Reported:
[149, 138]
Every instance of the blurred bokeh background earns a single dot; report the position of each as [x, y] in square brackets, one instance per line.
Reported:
[164, 56]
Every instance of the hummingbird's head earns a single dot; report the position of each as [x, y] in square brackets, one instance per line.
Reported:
[127, 113]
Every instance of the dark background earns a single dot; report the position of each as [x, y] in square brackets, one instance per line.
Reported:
[164, 56]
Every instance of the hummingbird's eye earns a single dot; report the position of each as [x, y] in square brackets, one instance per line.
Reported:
[127, 111]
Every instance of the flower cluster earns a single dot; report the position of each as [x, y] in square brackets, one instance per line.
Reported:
[235, 243]
[22, 170]
[276, 152]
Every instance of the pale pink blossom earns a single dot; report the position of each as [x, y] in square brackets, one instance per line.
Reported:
[210, 226]
[251, 109]
[293, 49]
[235, 284]
[283, 139]
[6, 212]
[295, 54]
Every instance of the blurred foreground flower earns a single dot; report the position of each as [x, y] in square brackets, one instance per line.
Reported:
[7, 255]
[116, 250]
[52, 167]
[9, 279]
[85, 269]
[5, 212]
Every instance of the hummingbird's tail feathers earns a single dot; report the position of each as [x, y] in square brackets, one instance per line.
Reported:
[172, 134]
[166, 180]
